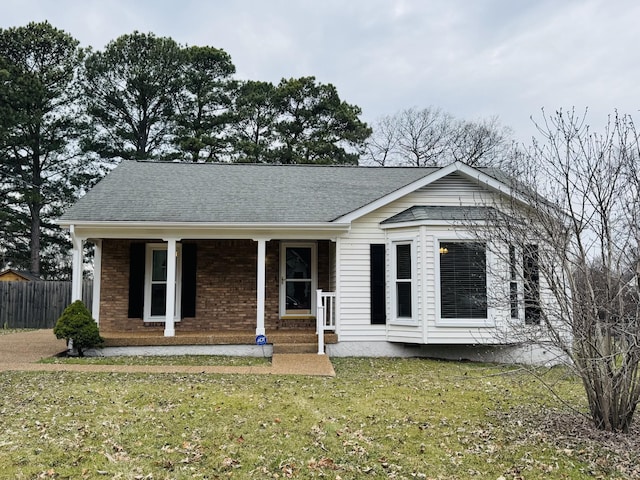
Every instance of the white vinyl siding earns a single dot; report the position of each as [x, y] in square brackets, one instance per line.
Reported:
[354, 269]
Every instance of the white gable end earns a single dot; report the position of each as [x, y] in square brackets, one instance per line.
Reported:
[452, 190]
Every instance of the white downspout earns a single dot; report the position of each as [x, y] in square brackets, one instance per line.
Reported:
[260, 285]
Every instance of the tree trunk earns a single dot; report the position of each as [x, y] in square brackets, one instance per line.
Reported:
[35, 240]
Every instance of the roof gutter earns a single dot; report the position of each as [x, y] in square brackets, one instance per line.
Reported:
[196, 230]
[204, 225]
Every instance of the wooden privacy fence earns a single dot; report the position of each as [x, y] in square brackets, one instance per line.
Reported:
[37, 304]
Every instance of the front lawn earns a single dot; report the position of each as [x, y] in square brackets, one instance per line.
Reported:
[378, 418]
[197, 360]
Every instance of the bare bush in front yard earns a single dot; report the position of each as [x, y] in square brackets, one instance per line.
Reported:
[573, 256]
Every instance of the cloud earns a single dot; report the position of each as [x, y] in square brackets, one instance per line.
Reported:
[471, 58]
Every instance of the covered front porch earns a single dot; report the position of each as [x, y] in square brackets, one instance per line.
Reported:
[223, 291]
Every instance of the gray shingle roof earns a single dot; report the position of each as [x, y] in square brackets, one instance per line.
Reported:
[446, 213]
[236, 193]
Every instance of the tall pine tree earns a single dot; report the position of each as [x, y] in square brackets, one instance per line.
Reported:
[41, 170]
[131, 90]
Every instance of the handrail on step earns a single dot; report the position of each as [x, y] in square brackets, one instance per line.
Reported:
[325, 316]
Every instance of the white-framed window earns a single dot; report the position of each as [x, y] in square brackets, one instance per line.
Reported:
[298, 272]
[462, 283]
[514, 274]
[155, 282]
[403, 285]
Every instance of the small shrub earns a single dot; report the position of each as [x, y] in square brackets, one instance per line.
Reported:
[76, 324]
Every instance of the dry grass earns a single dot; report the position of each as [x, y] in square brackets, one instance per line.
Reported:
[379, 418]
[199, 360]
[9, 331]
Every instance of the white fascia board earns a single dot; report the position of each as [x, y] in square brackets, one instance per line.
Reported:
[456, 167]
[401, 192]
[436, 223]
[145, 230]
[489, 182]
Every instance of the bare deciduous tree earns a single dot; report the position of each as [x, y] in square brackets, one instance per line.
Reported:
[431, 137]
[573, 256]
[381, 148]
[480, 143]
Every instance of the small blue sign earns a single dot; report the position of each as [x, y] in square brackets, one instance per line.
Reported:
[261, 340]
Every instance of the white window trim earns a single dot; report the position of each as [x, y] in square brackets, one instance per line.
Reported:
[462, 322]
[283, 274]
[394, 319]
[150, 248]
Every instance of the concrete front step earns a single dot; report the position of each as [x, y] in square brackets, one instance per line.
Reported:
[156, 338]
[280, 348]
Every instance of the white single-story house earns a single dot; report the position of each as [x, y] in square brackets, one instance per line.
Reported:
[383, 259]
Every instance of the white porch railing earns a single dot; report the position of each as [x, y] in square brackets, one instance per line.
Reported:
[325, 316]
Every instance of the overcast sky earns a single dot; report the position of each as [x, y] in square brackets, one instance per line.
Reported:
[471, 58]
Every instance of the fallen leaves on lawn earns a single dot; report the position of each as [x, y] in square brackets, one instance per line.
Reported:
[573, 435]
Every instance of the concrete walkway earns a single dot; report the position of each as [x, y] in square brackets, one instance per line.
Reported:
[21, 352]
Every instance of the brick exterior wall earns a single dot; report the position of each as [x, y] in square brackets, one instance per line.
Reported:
[114, 287]
[225, 287]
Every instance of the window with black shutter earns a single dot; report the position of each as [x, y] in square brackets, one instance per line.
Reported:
[147, 281]
[189, 256]
[378, 284]
[531, 285]
[513, 283]
[403, 280]
[463, 280]
[136, 279]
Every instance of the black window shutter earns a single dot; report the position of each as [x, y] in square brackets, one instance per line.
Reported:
[189, 257]
[378, 287]
[532, 310]
[136, 280]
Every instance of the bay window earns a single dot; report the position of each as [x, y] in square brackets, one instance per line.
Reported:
[403, 280]
[463, 280]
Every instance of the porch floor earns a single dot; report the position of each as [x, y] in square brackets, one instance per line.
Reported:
[237, 337]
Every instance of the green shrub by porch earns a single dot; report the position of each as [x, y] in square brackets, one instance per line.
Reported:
[76, 324]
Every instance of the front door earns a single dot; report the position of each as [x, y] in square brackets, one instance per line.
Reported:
[298, 279]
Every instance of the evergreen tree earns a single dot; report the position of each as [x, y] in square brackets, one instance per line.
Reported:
[204, 108]
[41, 170]
[131, 91]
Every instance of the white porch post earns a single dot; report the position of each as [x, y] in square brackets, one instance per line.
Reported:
[320, 321]
[261, 276]
[169, 322]
[76, 266]
[97, 274]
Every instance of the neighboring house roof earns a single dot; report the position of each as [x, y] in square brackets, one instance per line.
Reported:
[140, 191]
[437, 213]
[28, 276]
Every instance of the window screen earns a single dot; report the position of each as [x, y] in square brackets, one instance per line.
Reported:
[463, 280]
